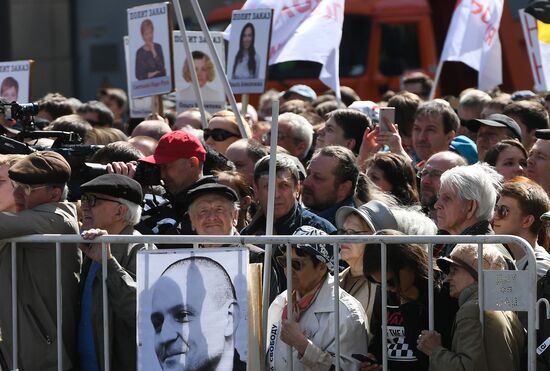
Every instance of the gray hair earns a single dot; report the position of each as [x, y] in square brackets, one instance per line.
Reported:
[133, 214]
[302, 130]
[410, 220]
[474, 98]
[479, 182]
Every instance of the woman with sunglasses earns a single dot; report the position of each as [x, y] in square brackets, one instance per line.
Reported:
[223, 130]
[407, 306]
[310, 330]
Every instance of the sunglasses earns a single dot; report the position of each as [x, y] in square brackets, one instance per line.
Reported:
[91, 200]
[296, 264]
[389, 282]
[219, 135]
[349, 232]
[502, 211]
[27, 188]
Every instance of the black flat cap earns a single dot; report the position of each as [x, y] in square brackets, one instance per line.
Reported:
[115, 185]
[497, 120]
[543, 134]
[207, 188]
[44, 167]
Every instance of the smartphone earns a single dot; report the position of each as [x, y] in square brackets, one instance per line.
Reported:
[364, 358]
[386, 115]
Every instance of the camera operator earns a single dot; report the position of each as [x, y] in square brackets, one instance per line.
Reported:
[39, 189]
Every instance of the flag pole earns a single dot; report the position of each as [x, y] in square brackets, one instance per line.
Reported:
[436, 79]
[190, 61]
[218, 64]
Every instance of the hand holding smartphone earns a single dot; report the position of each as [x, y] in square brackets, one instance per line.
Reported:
[386, 116]
[364, 358]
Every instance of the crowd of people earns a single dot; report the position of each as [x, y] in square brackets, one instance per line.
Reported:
[476, 164]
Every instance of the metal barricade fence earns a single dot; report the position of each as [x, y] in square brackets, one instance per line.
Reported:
[268, 241]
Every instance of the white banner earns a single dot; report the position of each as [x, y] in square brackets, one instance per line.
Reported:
[307, 30]
[538, 48]
[473, 39]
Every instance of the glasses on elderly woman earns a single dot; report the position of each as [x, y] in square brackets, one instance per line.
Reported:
[349, 232]
[501, 211]
[219, 135]
[27, 188]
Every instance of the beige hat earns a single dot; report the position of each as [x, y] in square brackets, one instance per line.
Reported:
[465, 256]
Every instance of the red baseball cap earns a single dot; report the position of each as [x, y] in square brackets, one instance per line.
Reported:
[175, 145]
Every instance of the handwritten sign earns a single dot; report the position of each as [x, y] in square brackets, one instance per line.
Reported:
[506, 290]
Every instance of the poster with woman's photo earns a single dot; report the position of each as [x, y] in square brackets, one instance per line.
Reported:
[138, 107]
[15, 80]
[248, 50]
[192, 309]
[150, 49]
[211, 87]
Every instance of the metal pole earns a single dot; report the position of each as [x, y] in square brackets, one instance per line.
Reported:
[59, 306]
[289, 298]
[106, 366]
[436, 79]
[269, 223]
[14, 335]
[384, 307]
[431, 287]
[190, 61]
[244, 104]
[337, 305]
[218, 64]
[481, 285]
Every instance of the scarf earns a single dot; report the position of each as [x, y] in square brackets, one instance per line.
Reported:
[301, 304]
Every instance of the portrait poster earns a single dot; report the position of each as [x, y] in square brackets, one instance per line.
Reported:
[150, 49]
[192, 309]
[138, 107]
[213, 95]
[15, 80]
[248, 49]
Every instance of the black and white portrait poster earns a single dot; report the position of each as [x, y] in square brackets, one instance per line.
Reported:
[15, 80]
[211, 87]
[192, 309]
[138, 107]
[150, 49]
[248, 50]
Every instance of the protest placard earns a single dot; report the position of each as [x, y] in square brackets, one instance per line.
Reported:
[15, 80]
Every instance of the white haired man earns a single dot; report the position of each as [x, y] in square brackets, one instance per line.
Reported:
[110, 205]
[466, 203]
[295, 134]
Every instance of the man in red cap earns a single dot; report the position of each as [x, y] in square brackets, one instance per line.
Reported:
[180, 156]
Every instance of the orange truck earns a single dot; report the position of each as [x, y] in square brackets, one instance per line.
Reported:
[382, 40]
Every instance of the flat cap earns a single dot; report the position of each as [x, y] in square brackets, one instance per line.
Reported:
[44, 167]
[207, 188]
[115, 185]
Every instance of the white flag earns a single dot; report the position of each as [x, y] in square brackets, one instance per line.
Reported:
[473, 39]
[537, 39]
[307, 30]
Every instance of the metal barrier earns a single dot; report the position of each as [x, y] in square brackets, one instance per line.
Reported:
[286, 240]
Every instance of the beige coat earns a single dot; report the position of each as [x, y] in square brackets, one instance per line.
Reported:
[364, 291]
[499, 348]
[36, 280]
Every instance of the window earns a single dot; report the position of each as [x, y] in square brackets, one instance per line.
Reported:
[399, 49]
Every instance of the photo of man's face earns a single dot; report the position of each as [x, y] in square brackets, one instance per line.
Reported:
[193, 323]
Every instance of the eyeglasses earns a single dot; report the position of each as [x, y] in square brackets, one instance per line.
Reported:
[296, 264]
[27, 188]
[348, 232]
[280, 136]
[91, 200]
[219, 135]
[431, 173]
[501, 211]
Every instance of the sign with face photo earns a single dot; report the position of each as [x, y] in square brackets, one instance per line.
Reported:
[150, 49]
[211, 87]
[138, 107]
[192, 309]
[248, 47]
[15, 80]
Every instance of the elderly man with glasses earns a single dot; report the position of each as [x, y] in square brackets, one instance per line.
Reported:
[110, 205]
[39, 190]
